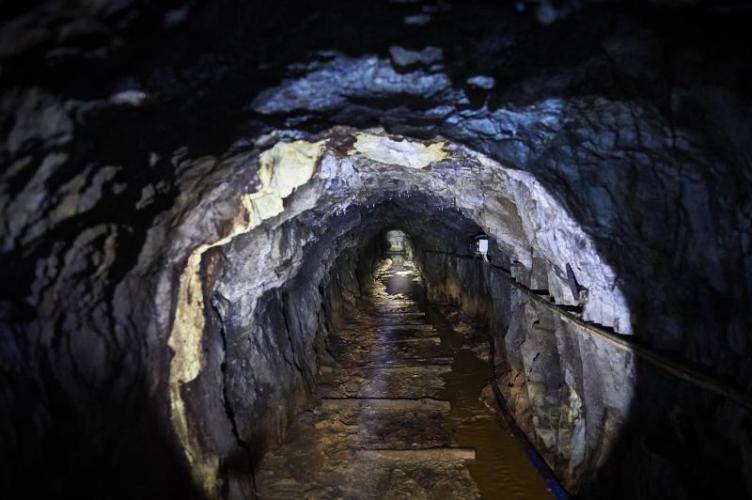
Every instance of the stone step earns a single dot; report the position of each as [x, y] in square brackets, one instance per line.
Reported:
[434, 339]
[395, 337]
[376, 326]
[379, 370]
[404, 315]
[434, 360]
[387, 308]
[410, 474]
[403, 324]
[384, 329]
[387, 404]
[387, 315]
[373, 474]
[389, 382]
[431, 455]
[386, 324]
[381, 353]
[389, 423]
[401, 332]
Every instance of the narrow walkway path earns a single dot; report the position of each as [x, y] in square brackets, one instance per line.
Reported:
[382, 429]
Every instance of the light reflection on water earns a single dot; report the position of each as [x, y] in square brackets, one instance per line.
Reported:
[502, 469]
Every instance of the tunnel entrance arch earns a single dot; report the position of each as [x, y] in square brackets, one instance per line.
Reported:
[356, 185]
[397, 241]
[344, 188]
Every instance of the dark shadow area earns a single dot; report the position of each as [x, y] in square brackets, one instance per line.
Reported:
[224, 53]
[676, 444]
[63, 446]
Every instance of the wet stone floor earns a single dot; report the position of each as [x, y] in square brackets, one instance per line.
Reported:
[398, 414]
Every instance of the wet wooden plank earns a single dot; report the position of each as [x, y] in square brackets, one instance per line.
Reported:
[389, 404]
[424, 455]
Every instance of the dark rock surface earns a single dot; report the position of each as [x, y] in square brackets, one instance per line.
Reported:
[166, 297]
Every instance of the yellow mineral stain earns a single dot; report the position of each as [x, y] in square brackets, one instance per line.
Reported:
[405, 153]
[283, 168]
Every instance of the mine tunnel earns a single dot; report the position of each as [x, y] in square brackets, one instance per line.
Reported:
[401, 249]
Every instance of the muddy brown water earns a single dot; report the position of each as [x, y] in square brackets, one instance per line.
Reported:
[502, 469]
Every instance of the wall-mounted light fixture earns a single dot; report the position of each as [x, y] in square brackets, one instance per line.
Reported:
[480, 245]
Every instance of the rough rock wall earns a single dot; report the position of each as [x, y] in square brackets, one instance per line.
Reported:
[271, 352]
[273, 335]
[606, 421]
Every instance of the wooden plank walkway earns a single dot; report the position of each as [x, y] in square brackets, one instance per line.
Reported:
[380, 429]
